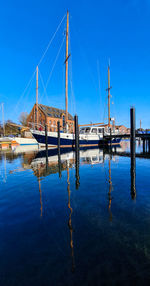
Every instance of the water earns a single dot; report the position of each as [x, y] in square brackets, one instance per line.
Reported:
[62, 225]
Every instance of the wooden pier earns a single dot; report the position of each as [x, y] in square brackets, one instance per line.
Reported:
[132, 136]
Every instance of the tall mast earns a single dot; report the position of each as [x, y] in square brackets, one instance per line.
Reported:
[66, 74]
[37, 115]
[109, 95]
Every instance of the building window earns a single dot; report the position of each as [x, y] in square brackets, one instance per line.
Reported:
[54, 122]
[50, 122]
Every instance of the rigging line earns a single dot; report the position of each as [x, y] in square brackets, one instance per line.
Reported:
[29, 82]
[51, 40]
[71, 82]
[99, 89]
[27, 104]
[105, 105]
[55, 62]
[84, 56]
[71, 86]
[43, 87]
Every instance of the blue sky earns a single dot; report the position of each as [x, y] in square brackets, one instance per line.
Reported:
[99, 30]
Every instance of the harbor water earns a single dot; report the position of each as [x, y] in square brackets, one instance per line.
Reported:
[68, 222]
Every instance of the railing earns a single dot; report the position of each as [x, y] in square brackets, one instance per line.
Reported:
[36, 126]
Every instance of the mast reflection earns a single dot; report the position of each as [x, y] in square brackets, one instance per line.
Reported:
[69, 221]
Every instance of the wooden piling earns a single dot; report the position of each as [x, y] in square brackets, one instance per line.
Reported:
[58, 135]
[46, 144]
[76, 150]
[132, 152]
[110, 139]
[58, 143]
[103, 137]
[76, 132]
[132, 130]
[148, 146]
[144, 146]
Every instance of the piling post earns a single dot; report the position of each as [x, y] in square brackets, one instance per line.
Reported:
[103, 136]
[132, 152]
[143, 146]
[46, 144]
[110, 139]
[58, 135]
[76, 132]
[58, 143]
[132, 129]
[148, 146]
[76, 150]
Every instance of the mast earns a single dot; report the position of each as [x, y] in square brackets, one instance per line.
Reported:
[37, 111]
[109, 96]
[66, 73]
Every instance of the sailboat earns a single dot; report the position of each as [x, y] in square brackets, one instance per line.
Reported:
[88, 136]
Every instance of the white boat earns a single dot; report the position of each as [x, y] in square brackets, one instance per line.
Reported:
[88, 137]
[24, 148]
[25, 141]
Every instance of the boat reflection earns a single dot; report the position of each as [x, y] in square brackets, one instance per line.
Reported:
[56, 163]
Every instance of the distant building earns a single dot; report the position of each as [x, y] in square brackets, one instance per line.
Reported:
[122, 129]
[50, 116]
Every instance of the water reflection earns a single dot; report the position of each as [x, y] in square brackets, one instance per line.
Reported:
[69, 221]
[78, 220]
[110, 191]
[39, 182]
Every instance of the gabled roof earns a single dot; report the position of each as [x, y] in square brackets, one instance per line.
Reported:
[53, 112]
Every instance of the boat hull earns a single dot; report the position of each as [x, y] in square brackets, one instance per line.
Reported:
[68, 140]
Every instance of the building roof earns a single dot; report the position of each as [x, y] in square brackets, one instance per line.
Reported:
[53, 112]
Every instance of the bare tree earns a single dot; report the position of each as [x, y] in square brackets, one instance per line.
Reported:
[23, 118]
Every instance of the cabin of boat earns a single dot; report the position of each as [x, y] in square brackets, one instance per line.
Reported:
[92, 130]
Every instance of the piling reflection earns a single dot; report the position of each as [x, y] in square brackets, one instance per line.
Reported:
[69, 221]
[110, 191]
[133, 171]
[41, 204]
[77, 162]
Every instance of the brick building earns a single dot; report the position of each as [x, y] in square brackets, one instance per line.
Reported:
[50, 115]
[122, 129]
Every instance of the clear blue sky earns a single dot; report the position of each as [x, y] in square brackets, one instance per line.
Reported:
[99, 30]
